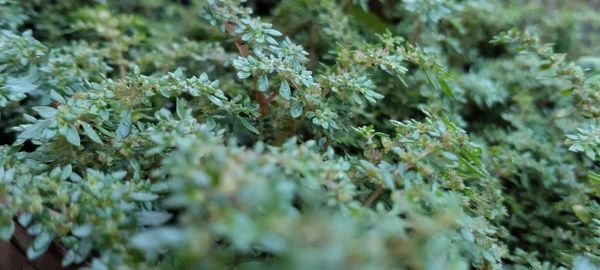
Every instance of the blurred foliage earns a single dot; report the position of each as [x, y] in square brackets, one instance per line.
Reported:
[400, 134]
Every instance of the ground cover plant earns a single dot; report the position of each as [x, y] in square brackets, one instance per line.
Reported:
[302, 134]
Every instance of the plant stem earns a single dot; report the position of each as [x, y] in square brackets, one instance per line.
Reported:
[263, 102]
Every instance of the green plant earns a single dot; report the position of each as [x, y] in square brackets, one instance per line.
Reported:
[325, 134]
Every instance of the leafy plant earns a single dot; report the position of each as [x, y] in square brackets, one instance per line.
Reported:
[322, 134]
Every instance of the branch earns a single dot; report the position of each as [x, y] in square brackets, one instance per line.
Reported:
[239, 43]
[373, 197]
[242, 47]
[263, 103]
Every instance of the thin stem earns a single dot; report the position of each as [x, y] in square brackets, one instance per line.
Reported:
[373, 197]
[242, 47]
[263, 103]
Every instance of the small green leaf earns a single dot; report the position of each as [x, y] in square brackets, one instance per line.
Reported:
[35, 253]
[263, 83]
[583, 263]
[66, 172]
[590, 154]
[24, 219]
[57, 97]
[141, 196]
[546, 65]
[582, 213]
[594, 178]
[467, 234]
[118, 175]
[124, 127]
[576, 148]
[34, 130]
[68, 258]
[35, 229]
[154, 240]
[91, 133]
[446, 88]
[39, 246]
[284, 90]
[249, 126]
[82, 230]
[21, 85]
[180, 108]
[45, 111]
[296, 110]
[429, 79]
[7, 230]
[216, 100]
[83, 250]
[356, 98]
[488, 256]
[72, 135]
[243, 75]
[153, 218]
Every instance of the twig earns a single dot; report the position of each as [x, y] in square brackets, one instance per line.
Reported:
[263, 103]
[242, 47]
[373, 197]
[239, 43]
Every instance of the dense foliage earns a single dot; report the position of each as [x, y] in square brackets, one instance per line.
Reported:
[313, 134]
